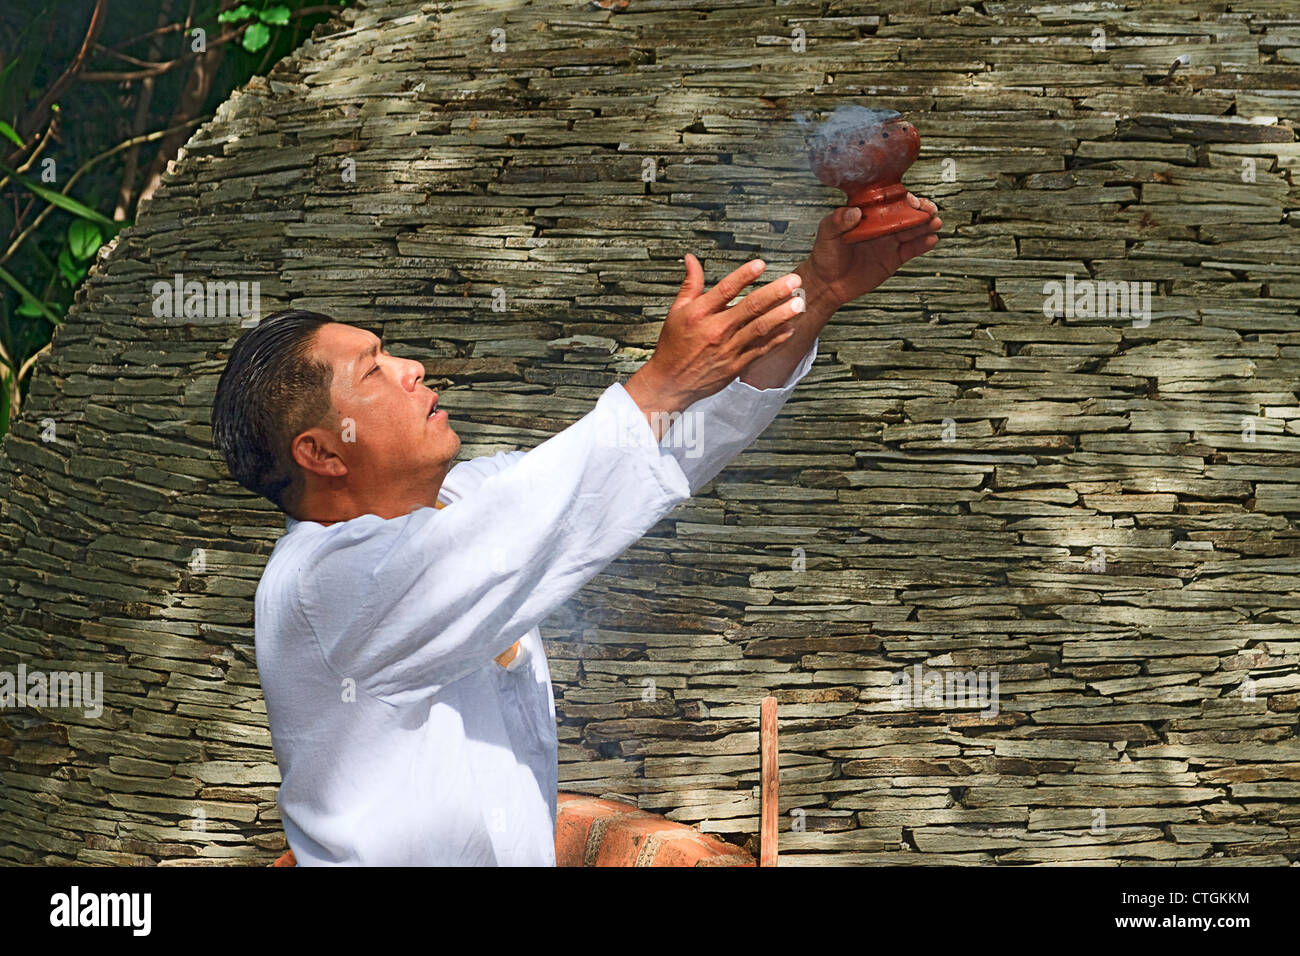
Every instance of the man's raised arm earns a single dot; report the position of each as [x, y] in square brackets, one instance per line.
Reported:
[714, 430]
[406, 605]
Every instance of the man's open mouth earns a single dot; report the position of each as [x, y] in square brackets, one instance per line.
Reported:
[433, 408]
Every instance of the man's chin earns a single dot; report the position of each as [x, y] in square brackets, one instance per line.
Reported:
[452, 448]
[440, 423]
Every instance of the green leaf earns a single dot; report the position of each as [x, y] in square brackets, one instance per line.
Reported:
[277, 15]
[84, 239]
[67, 266]
[241, 12]
[9, 132]
[29, 309]
[65, 202]
[256, 36]
[72, 270]
[13, 283]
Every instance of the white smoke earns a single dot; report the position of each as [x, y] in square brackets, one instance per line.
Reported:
[847, 126]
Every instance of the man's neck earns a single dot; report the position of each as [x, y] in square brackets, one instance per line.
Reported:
[333, 509]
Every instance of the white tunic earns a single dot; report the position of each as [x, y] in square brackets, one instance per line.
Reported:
[400, 740]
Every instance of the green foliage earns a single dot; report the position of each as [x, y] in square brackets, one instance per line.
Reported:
[241, 12]
[62, 201]
[66, 185]
[83, 238]
[8, 132]
[257, 34]
[277, 15]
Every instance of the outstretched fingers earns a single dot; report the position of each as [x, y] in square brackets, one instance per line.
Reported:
[771, 323]
[692, 285]
[768, 333]
[729, 286]
[762, 300]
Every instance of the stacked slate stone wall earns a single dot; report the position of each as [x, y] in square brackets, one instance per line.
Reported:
[1097, 510]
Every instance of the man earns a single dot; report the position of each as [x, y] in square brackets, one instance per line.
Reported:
[406, 684]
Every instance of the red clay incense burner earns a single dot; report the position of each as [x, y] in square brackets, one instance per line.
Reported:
[865, 153]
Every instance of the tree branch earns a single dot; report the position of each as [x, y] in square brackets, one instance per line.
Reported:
[145, 100]
[37, 117]
[158, 69]
[31, 160]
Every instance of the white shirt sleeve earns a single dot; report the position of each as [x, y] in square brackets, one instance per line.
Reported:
[714, 430]
[405, 606]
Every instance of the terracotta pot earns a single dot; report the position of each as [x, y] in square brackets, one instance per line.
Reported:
[865, 153]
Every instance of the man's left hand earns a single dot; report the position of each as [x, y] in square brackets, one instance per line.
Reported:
[839, 271]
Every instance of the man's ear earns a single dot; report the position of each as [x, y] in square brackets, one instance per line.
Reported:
[314, 451]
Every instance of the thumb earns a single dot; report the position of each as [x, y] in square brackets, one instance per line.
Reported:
[693, 284]
[840, 222]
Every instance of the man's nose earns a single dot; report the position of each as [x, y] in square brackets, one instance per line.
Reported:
[415, 374]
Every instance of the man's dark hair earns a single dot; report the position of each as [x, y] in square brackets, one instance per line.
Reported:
[271, 391]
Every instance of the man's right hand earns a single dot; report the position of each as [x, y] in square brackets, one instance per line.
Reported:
[704, 344]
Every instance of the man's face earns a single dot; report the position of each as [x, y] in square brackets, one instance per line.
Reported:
[391, 442]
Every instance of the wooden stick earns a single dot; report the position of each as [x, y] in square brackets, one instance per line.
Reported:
[769, 798]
